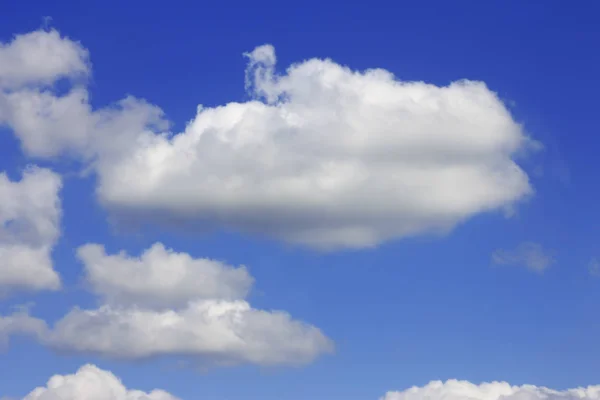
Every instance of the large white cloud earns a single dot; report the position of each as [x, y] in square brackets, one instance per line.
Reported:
[30, 213]
[332, 158]
[464, 390]
[165, 303]
[322, 156]
[92, 383]
[161, 277]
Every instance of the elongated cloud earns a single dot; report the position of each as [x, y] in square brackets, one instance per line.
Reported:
[213, 332]
[30, 213]
[463, 390]
[92, 383]
[322, 156]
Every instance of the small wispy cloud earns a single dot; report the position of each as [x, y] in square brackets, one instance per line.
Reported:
[594, 267]
[528, 254]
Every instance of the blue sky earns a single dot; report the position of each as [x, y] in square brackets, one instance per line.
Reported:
[406, 309]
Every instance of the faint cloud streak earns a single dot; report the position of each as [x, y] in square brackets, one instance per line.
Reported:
[528, 254]
[594, 267]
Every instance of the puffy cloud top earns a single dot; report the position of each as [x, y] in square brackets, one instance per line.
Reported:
[463, 390]
[40, 57]
[161, 277]
[92, 383]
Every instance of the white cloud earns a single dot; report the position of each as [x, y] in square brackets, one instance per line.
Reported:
[169, 304]
[161, 277]
[213, 332]
[529, 255]
[40, 57]
[20, 323]
[92, 383]
[323, 156]
[463, 390]
[30, 213]
[334, 158]
[49, 126]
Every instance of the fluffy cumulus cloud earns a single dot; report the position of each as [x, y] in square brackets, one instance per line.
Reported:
[322, 156]
[463, 390]
[92, 383]
[529, 255]
[40, 57]
[50, 125]
[215, 332]
[165, 303]
[158, 303]
[161, 277]
[30, 213]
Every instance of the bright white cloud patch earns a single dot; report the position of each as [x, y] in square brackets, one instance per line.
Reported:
[161, 277]
[323, 156]
[30, 213]
[463, 390]
[165, 303]
[40, 57]
[529, 255]
[50, 126]
[332, 158]
[215, 332]
[92, 383]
